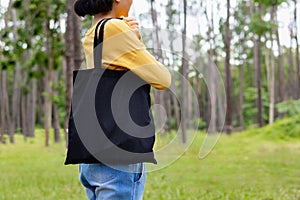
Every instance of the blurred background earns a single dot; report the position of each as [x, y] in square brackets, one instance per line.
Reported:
[241, 60]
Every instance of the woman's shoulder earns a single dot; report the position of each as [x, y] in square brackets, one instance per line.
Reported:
[117, 25]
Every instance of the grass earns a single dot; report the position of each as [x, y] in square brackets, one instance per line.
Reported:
[238, 168]
[31, 171]
[252, 165]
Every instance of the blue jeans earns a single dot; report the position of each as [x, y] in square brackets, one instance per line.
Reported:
[124, 182]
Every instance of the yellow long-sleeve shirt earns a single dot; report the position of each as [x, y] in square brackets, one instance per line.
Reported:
[122, 50]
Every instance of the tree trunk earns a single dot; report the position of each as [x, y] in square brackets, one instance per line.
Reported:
[23, 116]
[169, 113]
[191, 103]
[56, 124]
[32, 101]
[270, 66]
[159, 99]
[172, 31]
[176, 110]
[32, 95]
[212, 93]
[257, 61]
[16, 89]
[257, 67]
[272, 73]
[40, 103]
[241, 84]
[281, 82]
[228, 123]
[5, 99]
[211, 74]
[48, 106]
[198, 92]
[55, 114]
[241, 96]
[292, 85]
[162, 102]
[2, 110]
[268, 69]
[184, 77]
[297, 52]
[48, 78]
[159, 95]
[70, 62]
[78, 56]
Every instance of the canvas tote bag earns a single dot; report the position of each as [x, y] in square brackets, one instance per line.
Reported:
[110, 121]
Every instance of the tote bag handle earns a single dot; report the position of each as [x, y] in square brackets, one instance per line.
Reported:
[98, 42]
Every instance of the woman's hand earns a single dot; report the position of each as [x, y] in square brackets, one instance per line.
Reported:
[134, 25]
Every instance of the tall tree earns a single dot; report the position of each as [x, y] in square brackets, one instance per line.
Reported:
[78, 54]
[160, 96]
[1, 108]
[31, 106]
[49, 75]
[2, 89]
[55, 114]
[171, 13]
[73, 55]
[271, 80]
[292, 78]
[10, 105]
[255, 12]
[211, 70]
[29, 88]
[184, 77]
[228, 126]
[241, 15]
[297, 49]
[6, 119]
[16, 89]
[70, 60]
[281, 81]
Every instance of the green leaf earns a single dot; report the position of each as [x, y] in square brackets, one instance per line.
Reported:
[17, 4]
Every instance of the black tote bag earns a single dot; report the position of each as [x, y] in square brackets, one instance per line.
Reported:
[110, 121]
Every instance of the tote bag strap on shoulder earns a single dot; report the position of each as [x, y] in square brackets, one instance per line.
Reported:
[98, 41]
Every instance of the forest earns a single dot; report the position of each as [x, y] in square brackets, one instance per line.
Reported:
[240, 59]
[234, 96]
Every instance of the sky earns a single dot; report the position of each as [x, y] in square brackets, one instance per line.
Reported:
[4, 3]
[284, 16]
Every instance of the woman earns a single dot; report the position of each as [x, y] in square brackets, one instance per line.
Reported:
[124, 51]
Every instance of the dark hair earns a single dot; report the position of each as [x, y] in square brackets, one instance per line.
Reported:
[92, 7]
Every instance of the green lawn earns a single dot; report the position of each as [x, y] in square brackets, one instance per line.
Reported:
[242, 166]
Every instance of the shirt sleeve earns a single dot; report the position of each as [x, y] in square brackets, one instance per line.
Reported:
[125, 49]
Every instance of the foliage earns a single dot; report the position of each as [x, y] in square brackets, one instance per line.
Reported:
[290, 107]
[269, 3]
[249, 106]
[285, 129]
[59, 99]
[29, 49]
